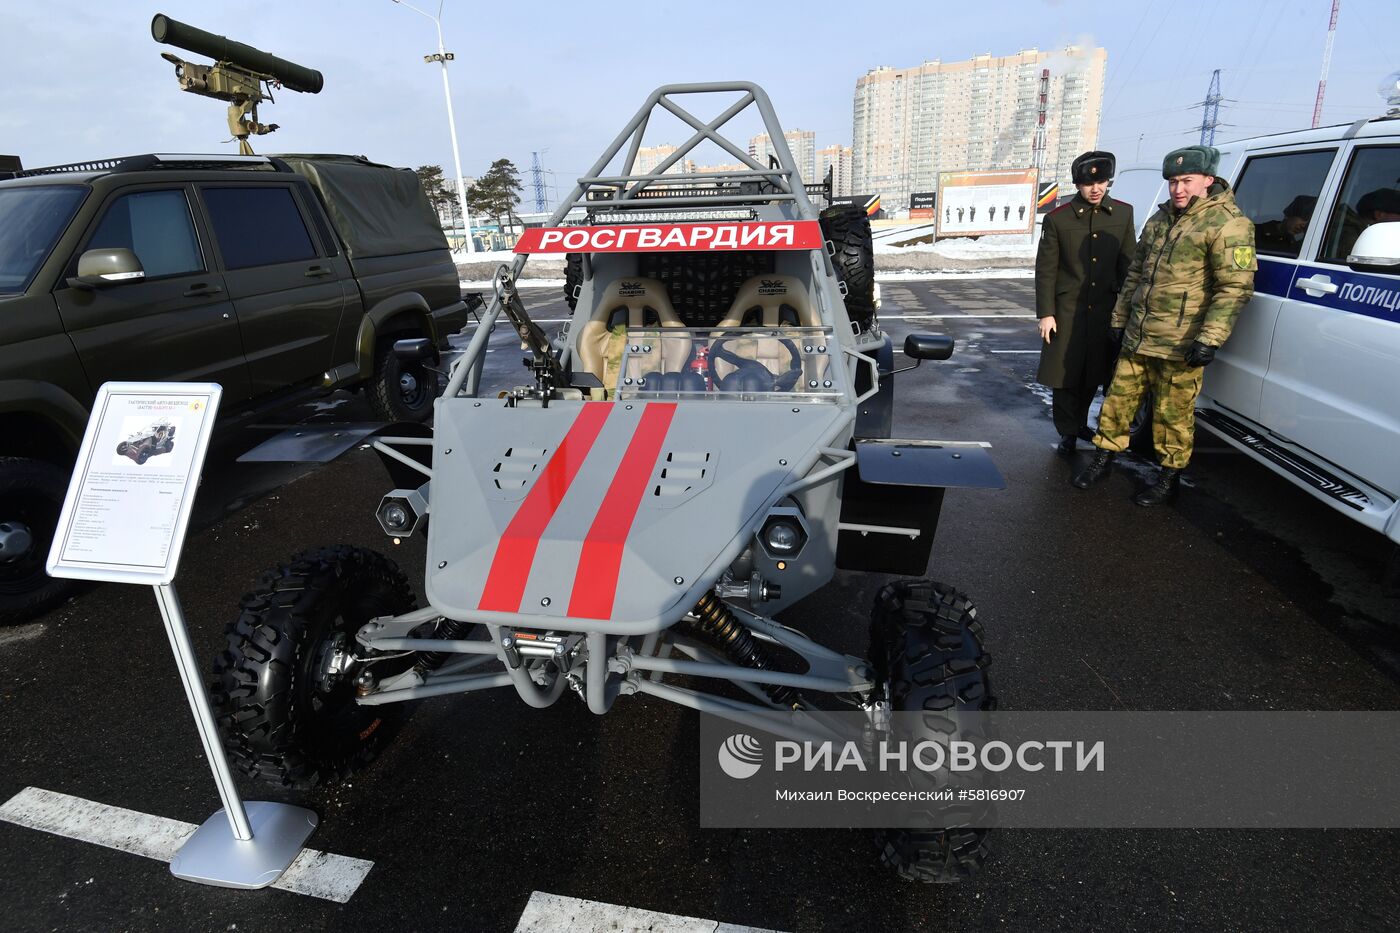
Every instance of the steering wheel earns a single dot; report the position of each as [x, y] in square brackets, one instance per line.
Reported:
[751, 375]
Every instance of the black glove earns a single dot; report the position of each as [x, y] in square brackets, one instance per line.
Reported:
[1199, 354]
[1115, 340]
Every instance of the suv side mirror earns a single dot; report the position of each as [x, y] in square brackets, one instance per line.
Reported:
[928, 346]
[1377, 249]
[99, 268]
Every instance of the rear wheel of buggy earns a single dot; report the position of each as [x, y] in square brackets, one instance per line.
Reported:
[573, 278]
[848, 228]
[284, 687]
[926, 645]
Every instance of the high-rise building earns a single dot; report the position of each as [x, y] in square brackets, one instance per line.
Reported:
[909, 124]
[838, 159]
[649, 157]
[802, 144]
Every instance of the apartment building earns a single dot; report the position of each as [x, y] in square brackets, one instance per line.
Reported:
[802, 144]
[838, 159]
[909, 124]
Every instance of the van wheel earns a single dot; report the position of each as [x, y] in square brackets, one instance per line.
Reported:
[31, 496]
[284, 685]
[401, 391]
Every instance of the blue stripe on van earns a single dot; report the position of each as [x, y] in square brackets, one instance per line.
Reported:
[1364, 293]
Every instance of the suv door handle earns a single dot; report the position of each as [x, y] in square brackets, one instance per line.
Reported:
[202, 289]
[1317, 286]
[316, 272]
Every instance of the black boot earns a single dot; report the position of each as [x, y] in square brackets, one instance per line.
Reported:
[1066, 446]
[1098, 469]
[1162, 491]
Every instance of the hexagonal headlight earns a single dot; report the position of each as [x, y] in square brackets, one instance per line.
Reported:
[784, 533]
[402, 512]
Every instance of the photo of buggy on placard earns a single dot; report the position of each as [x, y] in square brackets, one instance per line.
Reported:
[147, 442]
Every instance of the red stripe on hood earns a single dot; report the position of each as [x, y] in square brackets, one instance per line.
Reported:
[595, 583]
[515, 552]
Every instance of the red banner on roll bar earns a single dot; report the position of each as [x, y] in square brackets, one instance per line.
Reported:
[672, 238]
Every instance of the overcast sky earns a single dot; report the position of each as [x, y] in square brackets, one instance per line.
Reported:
[85, 80]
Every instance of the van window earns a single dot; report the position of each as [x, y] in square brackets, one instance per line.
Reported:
[1279, 193]
[1370, 195]
[257, 226]
[156, 226]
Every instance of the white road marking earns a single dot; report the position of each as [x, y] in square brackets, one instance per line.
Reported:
[548, 913]
[21, 633]
[315, 874]
[1015, 351]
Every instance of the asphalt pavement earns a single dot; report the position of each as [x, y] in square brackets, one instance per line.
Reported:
[1247, 595]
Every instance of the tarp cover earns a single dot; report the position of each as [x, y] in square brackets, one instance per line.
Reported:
[378, 210]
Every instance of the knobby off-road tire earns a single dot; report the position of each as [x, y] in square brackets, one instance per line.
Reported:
[31, 496]
[848, 228]
[283, 722]
[573, 277]
[394, 398]
[926, 644]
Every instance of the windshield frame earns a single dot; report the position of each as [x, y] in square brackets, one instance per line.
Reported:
[55, 235]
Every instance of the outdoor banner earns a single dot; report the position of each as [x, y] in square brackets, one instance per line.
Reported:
[672, 238]
[921, 205]
[132, 489]
[981, 203]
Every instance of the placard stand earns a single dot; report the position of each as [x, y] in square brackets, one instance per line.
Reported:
[256, 843]
[125, 522]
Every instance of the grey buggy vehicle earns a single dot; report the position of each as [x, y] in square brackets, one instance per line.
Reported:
[701, 447]
[159, 438]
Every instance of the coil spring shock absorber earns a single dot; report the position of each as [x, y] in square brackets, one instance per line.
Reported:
[448, 630]
[716, 626]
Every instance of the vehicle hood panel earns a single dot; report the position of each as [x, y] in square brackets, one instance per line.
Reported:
[593, 510]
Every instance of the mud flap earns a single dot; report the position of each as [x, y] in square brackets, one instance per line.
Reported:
[900, 484]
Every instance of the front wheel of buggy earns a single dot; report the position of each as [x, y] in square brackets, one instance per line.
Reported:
[926, 645]
[284, 686]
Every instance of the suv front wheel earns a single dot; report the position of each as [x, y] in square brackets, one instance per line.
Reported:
[401, 390]
[31, 496]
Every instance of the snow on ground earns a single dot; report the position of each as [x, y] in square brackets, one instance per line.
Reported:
[1001, 246]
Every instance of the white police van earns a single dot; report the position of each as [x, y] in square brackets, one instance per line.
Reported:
[1309, 382]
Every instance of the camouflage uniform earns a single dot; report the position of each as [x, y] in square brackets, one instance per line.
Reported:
[1191, 275]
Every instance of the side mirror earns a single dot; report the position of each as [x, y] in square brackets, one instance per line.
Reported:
[928, 346]
[414, 350]
[99, 268]
[1377, 249]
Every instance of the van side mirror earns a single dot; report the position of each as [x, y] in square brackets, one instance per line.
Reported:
[928, 346]
[100, 268]
[1377, 249]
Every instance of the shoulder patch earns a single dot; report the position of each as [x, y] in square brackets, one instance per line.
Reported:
[1243, 257]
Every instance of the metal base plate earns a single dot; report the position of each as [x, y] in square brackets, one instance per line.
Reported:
[213, 856]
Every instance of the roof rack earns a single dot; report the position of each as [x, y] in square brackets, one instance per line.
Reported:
[139, 163]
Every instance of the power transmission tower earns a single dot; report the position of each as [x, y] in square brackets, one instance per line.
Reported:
[1210, 117]
[537, 178]
[1326, 63]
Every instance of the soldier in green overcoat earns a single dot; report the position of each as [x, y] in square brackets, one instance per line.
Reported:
[1086, 246]
[1192, 274]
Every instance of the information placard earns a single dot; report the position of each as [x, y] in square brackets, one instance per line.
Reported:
[132, 490]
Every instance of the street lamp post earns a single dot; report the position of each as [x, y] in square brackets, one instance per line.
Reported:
[443, 57]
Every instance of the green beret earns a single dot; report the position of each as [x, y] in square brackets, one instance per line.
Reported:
[1191, 160]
